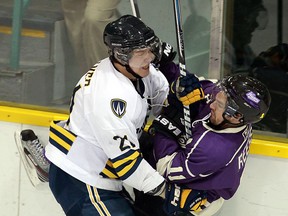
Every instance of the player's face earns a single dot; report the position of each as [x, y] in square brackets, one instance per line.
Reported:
[218, 107]
[140, 61]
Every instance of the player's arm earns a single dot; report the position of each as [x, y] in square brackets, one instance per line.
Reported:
[182, 165]
[125, 161]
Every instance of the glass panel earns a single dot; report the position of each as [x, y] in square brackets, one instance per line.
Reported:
[39, 78]
[256, 45]
[48, 71]
[196, 27]
[196, 15]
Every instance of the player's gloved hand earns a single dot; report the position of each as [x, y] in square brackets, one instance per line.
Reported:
[173, 128]
[171, 124]
[187, 89]
[159, 190]
[168, 55]
[180, 199]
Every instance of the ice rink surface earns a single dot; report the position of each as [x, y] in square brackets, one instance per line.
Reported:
[263, 191]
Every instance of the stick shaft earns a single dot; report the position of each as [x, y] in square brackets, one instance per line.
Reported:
[181, 54]
[135, 8]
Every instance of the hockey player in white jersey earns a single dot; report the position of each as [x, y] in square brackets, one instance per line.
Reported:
[97, 150]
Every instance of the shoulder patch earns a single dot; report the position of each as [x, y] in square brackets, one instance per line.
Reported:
[118, 107]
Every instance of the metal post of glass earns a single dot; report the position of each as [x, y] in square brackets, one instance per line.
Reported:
[18, 11]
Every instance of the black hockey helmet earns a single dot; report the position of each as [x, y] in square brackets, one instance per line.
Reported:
[127, 33]
[246, 96]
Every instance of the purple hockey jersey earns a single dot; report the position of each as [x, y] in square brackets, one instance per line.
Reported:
[213, 160]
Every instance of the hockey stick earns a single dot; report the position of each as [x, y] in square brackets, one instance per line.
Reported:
[181, 54]
[135, 8]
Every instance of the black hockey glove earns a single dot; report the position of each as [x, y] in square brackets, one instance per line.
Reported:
[180, 199]
[168, 55]
[171, 127]
[170, 123]
[187, 89]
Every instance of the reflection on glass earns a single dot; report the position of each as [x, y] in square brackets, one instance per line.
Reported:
[269, 66]
[196, 29]
[248, 16]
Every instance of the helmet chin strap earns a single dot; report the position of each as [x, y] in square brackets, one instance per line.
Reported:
[129, 69]
[230, 124]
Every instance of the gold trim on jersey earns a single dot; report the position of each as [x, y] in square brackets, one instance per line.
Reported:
[109, 171]
[122, 166]
[60, 137]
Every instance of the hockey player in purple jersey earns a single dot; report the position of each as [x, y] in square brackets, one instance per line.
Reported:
[213, 159]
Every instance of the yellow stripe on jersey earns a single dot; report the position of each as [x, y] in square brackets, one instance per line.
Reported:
[126, 169]
[61, 138]
[109, 171]
[132, 157]
[127, 163]
[59, 141]
[109, 163]
[108, 174]
[63, 131]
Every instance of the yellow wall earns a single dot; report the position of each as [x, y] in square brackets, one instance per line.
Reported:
[261, 145]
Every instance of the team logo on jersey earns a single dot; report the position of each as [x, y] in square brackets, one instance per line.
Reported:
[118, 107]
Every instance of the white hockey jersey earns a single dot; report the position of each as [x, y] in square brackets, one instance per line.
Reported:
[99, 142]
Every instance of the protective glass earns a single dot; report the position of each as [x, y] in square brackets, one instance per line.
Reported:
[140, 56]
[260, 16]
[262, 19]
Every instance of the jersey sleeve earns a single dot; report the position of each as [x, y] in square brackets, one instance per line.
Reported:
[185, 165]
[171, 71]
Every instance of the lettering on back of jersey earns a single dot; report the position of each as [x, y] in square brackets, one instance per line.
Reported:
[88, 77]
[242, 158]
[118, 107]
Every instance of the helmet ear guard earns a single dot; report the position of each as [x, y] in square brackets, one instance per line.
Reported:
[122, 55]
[156, 49]
[236, 115]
